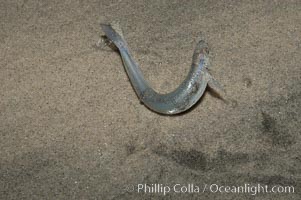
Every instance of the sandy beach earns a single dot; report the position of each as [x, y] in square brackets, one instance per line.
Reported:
[71, 126]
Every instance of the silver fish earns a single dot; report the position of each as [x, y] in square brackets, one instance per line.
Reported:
[184, 96]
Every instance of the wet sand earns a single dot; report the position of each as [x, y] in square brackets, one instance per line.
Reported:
[71, 126]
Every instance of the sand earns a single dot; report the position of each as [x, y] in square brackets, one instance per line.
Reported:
[71, 126]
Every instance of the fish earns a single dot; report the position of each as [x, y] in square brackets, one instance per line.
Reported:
[184, 96]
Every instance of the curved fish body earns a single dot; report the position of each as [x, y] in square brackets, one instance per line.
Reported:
[184, 96]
